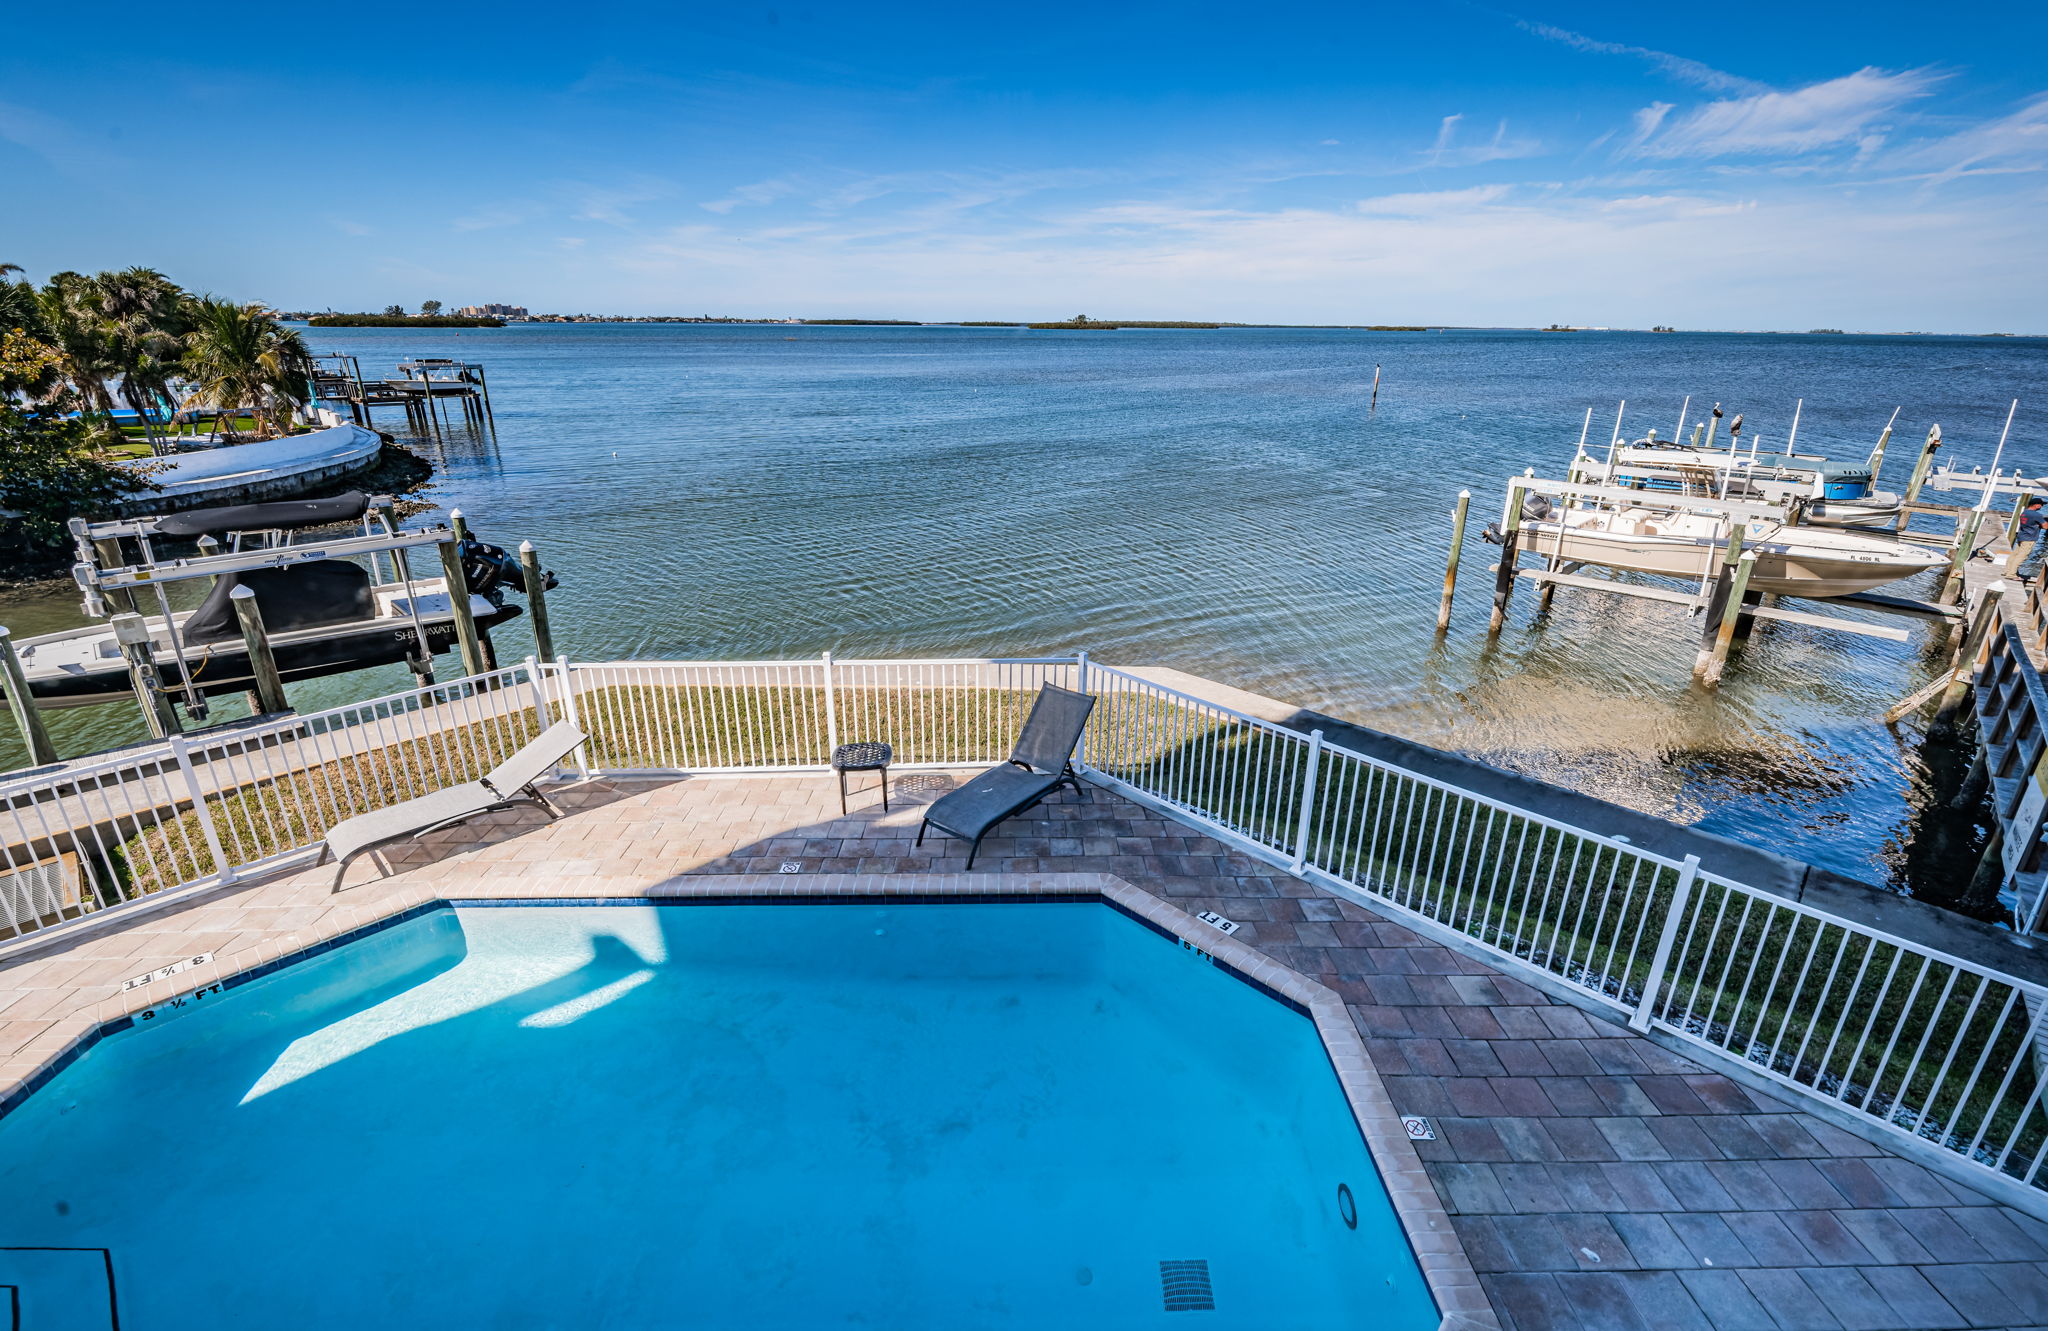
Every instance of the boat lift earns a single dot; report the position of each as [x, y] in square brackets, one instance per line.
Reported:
[1722, 598]
[113, 585]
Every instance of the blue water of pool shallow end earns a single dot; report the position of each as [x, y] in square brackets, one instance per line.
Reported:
[801, 1116]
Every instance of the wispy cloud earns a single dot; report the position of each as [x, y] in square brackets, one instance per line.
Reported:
[1677, 66]
[1822, 115]
[493, 217]
[2016, 142]
[1500, 148]
[1433, 203]
[1492, 253]
[761, 191]
[612, 204]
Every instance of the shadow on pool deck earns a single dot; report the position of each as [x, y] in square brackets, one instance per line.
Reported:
[1597, 1180]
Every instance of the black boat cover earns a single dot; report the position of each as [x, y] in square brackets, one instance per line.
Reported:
[286, 516]
[300, 596]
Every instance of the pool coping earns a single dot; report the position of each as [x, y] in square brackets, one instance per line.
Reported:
[1461, 1302]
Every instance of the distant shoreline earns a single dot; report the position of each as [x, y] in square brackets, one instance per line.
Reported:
[1094, 325]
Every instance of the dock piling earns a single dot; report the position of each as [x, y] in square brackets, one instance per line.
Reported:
[1920, 467]
[1731, 612]
[467, 638]
[1721, 577]
[1964, 667]
[22, 703]
[108, 552]
[1510, 540]
[1966, 544]
[544, 640]
[268, 694]
[132, 633]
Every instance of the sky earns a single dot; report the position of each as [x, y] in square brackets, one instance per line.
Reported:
[1739, 165]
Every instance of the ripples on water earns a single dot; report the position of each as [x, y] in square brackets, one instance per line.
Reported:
[1218, 501]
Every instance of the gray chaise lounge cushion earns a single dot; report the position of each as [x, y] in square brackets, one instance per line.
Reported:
[511, 782]
[988, 799]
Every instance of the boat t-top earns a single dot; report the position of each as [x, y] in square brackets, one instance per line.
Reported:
[1830, 494]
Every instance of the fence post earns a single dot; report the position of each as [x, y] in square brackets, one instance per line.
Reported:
[181, 750]
[540, 693]
[1081, 686]
[1681, 897]
[831, 710]
[1310, 770]
[569, 712]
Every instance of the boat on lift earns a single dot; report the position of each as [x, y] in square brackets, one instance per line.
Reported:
[322, 612]
[1791, 560]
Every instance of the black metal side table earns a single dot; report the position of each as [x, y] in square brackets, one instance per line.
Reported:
[863, 758]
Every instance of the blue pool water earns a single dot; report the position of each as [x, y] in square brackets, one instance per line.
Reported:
[709, 1116]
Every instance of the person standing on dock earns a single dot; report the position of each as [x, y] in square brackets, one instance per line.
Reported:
[2025, 558]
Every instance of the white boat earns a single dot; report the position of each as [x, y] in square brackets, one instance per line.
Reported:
[325, 617]
[1790, 560]
[1831, 494]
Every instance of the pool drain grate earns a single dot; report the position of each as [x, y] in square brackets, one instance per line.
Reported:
[1185, 1287]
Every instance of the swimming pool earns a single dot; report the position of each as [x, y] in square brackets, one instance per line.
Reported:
[708, 1115]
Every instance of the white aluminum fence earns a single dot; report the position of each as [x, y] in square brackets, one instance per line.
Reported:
[203, 809]
[648, 717]
[1931, 1046]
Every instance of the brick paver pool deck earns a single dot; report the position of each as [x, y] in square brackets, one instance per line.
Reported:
[1596, 1179]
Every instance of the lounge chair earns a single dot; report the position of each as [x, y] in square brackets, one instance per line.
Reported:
[1041, 763]
[514, 781]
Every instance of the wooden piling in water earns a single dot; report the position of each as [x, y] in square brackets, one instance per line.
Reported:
[132, 633]
[1443, 610]
[268, 694]
[1721, 608]
[22, 703]
[1966, 543]
[1375, 388]
[1504, 572]
[544, 639]
[1920, 468]
[1731, 612]
[1964, 667]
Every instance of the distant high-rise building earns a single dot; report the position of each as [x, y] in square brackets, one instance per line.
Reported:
[506, 311]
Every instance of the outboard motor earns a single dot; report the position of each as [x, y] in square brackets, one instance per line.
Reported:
[490, 570]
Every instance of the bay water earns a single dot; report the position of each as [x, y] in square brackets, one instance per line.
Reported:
[1226, 502]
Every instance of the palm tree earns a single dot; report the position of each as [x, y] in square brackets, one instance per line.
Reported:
[72, 323]
[147, 318]
[239, 358]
